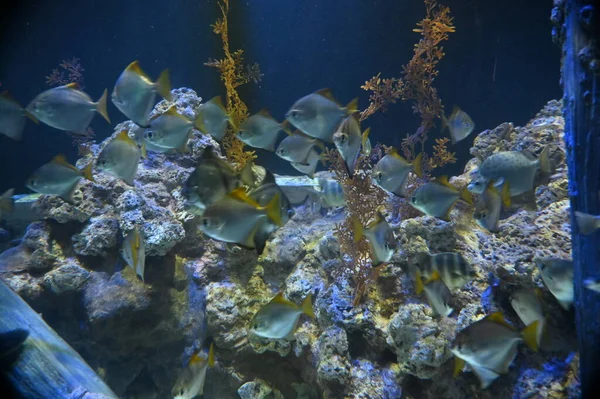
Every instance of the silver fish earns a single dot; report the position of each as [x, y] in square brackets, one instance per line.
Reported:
[391, 172]
[134, 93]
[438, 198]
[489, 346]
[310, 166]
[12, 117]
[349, 141]
[437, 293]
[58, 177]
[260, 131]
[67, 108]
[170, 130]
[121, 157]
[296, 147]
[527, 305]
[592, 284]
[190, 382]
[133, 252]
[453, 268]
[489, 205]
[557, 274]
[278, 318]
[332, 193]
[587, 223]
[516, 168]
[381, 238]
[318, 114]
[213, 119]
[459, 123]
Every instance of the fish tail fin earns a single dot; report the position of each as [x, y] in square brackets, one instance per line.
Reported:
[144, 151]
[101, 106]
[319, 144]
[352, 107]
[211, 355]
[530, 335]
[273, 211]
[32, 117]
[419, 287]
[365, 137]
[7, 203]
[233, 123]
[458, 366]
[444, 123]
[359, 230]
[87, 172]
[307, 306]
[199, 122]
[545, 167]
[466, 196]
[505, 195]
[587, 223]
[417, 165]
[163, 85]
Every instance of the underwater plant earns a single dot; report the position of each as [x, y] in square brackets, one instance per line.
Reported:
[233, 74]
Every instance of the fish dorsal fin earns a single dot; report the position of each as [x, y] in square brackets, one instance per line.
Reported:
[211, 355]
[265, 112]
[418, 282]
[72, 86]
[528, 155]
[325, 92]
[394, 153]
[455, 110]
[124, 137]
[280, 299]
[458, 366]
[7, 96]
[135, 68]
[240, 195]
[443, 180]
[498, 317]
[196, 358]
[378, 219]
[365, 136]
[62, 161]
[172, 111]
[435, 276]
[218, 102]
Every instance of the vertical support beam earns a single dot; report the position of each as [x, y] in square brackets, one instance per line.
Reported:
[580, 75]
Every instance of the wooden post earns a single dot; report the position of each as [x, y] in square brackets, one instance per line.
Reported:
[580, 73]
[46, 366]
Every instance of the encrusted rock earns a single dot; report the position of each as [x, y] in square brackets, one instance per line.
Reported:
[258, 389]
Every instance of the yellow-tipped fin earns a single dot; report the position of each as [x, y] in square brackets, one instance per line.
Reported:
[378, 219]
[196, 358]
[7, 202]
[163, 85]
[280, 299]
[459, 364]
[365, 137]
[307, 307]
[434, 277]
[134, 67]
[327, 94]
[359, 230]
[443, 180]
[545, 167]
[72, 86]
[173, 112]
[62, 161]
[352, 107]
[101, 106]
[419, 287]
[498, 317]
[211, 355]
[417, 165]
[466, 196]
[505, 195]
[32, 117]
[240, 195]
[87, 172]
[273, 211]
[124, 137]
[144, 151]
[265, 112]
[233, 122]
[530, 335]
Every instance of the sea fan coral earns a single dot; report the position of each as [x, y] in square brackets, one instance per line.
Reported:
[69, 71]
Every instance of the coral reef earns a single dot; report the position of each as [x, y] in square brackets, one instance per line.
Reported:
[387, 345]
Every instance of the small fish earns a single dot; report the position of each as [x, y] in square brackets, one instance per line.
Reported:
[592, 284]
[528, 307]
[332, 193]
[133, 252]
[121, 157]
[67, 108]
[58, 177]
[236, 218]
[260, 131]
[7, 203]
[587, 223]
[213, 118]
[489, 204]
[381, 238]
[557, 274]
[459, 123]
[278, 318]
[212, 179]
[437, 293]
[391, 172]
[12, 117]
[170, 130]
[349, 141]
[190, 382]
[438, 198]
[134, 93]
[453, 268]
[310, 166]
[318, 114]
[296, 147]
[517, 168]
[489, 346]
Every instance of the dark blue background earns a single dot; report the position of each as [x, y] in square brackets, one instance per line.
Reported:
[301, 46]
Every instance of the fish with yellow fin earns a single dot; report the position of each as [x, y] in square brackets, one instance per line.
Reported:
[557, 274]
[349, 141]
[391, 172]
[528, 306]
[133, 252]
[438, 198]
[134, 93]
[489, 204]
[67, 108]
[213, 118]
[12, 117]
[170, 130]
[331, 193]
[121, 157]
[489, 346]
[260, 130]
[7, 203]
[278, 318]
[452, 267]
[437, 293]
[190, 382]
[296, 147]
[318, 114]
[58, 177]
[310, 165]
[380, 236]
[459, 123]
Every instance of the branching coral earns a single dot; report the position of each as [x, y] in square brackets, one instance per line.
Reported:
[362, 200]
[233, 74]
[441, 156]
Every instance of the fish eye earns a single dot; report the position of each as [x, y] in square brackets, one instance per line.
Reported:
[205, 222]
[150, 135]
[294, 114]
[181, 392]
[379, 175]
[290, 213]
[281, 151]
[483, 214]
[413, 200]
[32, 182]
[344, 138]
